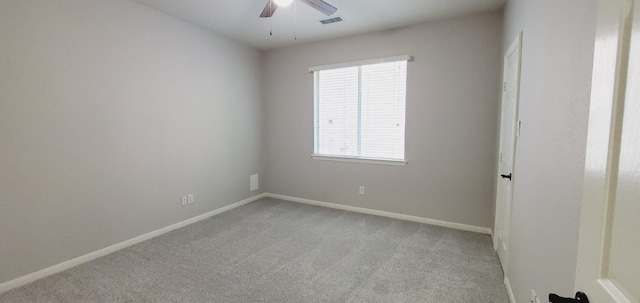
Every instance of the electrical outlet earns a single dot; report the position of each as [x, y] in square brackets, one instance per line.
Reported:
[190, 198]
[361, 190]
[184, 200]
[253, 182]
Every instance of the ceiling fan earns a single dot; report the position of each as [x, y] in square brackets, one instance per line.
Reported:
[319, 5]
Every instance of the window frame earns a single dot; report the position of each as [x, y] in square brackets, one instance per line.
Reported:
[356, 159]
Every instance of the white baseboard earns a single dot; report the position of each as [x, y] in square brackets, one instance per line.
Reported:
[113, 248]
[512, 298]
[477, 229]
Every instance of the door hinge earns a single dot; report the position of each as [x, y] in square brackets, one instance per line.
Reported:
[504, 86]
[518, 128]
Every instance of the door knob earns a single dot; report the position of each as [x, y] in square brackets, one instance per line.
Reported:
[506, 176]
[580, 298]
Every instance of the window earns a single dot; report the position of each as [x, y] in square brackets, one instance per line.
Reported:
[360, 110]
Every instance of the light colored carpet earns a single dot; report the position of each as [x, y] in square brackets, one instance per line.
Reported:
[277, 251]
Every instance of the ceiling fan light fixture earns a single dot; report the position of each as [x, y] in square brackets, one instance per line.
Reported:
[283, 3]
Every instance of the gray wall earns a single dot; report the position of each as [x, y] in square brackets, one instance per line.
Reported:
[109, 112]
[556, 75]
[452, 99]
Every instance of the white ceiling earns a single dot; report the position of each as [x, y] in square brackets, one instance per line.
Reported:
[239, 19]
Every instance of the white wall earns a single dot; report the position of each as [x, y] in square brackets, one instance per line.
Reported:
[556, 76]
[109, 112]
[452, 101]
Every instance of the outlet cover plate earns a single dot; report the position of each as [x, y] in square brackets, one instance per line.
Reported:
[253, 182]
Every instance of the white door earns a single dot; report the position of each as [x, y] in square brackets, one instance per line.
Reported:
[508, 121]
[608, 268]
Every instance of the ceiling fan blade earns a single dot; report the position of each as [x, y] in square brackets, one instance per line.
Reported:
[321, 6]
[268, 10]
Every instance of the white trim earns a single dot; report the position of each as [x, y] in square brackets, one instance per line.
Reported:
[26, 279]
[512, 298]
[465, 227]
[613, 291]
[359, 160]
[113, 248]
[361, 62]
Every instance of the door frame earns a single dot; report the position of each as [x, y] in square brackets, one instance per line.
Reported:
[516, 45]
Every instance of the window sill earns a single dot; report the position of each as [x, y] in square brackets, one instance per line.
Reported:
[359, 160]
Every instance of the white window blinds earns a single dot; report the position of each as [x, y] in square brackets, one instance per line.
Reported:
[360, 111]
